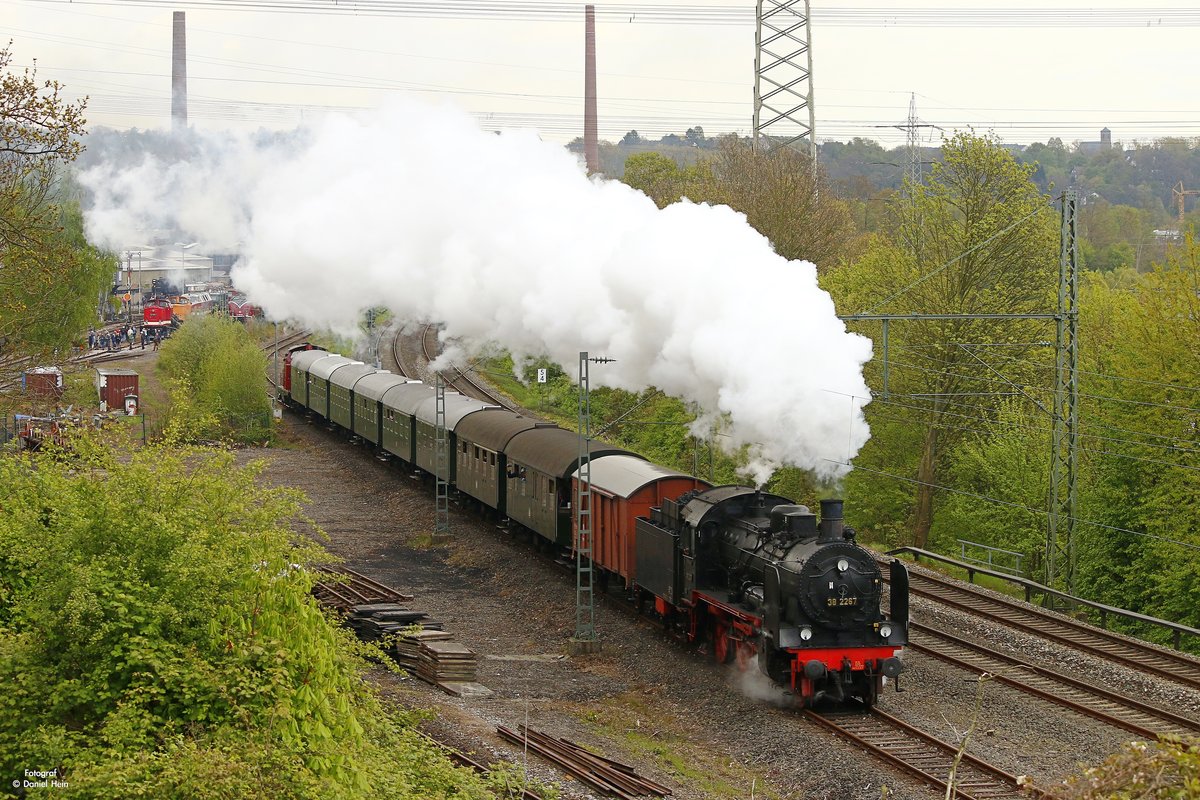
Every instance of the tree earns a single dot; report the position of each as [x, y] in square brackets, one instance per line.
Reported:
[1140, 434]
[976, 238]
[785, 196]
[782, 193]
[158, 639]
[218, 371]
[631, 139]
[48, 276]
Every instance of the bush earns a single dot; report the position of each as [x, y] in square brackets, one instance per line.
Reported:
[1166, 770]
[158, 639]
[216, 373]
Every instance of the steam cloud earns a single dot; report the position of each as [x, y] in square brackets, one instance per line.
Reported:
[502, 238]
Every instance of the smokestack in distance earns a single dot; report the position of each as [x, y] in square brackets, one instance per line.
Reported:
[178, 73]
[591, 143]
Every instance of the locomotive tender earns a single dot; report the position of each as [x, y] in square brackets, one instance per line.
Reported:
[747, 573]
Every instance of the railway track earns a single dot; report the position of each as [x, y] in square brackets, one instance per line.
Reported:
[350, 588]
[1140, 656]
[1078, 695]
[457, 377]
[920, 754]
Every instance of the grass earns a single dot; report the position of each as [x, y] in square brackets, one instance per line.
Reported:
[660, 735]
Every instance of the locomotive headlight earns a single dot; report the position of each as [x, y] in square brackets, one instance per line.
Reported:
[806, 633]
[885, 631]
[843, 565]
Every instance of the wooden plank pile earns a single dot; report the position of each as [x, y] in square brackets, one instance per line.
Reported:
[604, 774]
[435, 658]
[421, 646]
[373, 621]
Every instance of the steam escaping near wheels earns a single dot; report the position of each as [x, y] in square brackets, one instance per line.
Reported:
[503, 238]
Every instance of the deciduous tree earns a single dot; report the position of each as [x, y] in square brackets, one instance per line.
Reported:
[49, 279]
[977, 238]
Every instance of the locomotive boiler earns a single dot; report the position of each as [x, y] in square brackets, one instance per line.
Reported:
[760, 578]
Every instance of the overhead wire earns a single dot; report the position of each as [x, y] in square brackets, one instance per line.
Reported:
[693, 14]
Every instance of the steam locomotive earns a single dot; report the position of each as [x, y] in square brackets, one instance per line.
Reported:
[774, 585]
[749, 574]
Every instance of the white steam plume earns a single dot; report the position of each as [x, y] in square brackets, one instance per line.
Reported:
[502, 238]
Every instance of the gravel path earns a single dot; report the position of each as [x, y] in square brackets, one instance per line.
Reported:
[645, 698]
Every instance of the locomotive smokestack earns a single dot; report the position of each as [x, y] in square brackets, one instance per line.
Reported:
[178, 73]
[591, 142]
[831, 521]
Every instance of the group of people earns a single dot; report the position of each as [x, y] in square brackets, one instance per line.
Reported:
[126, 335]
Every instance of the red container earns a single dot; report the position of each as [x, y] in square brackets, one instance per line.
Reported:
[623, 489]
[112, 386]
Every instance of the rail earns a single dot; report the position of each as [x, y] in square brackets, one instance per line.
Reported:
[472, 388]
[1081, 696]
[922, 755]
[1033, 587]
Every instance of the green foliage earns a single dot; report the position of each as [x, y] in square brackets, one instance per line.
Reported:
[1005, 460]
[977, 237]
[217, 373]
[1165, 770]
[663, 180]
[50, 279]
[783, 194]
[158, 640]
[1140, 439]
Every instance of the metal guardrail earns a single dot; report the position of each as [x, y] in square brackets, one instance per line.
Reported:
[1033, 587]
[992, 552]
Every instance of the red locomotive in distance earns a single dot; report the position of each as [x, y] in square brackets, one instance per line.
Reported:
[242, 309]
[157, 313]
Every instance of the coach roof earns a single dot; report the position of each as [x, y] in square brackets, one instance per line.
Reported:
[375, 386]
[554, 451]
[305, 358]
[457, 407]
[494, 427]
[348, 375]
[323, 368]
[407, 397]
[623, 475]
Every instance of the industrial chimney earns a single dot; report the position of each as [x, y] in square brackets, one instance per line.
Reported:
[591, 144]
[179, 73]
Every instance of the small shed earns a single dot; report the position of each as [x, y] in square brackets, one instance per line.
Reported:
[44, 383]
[114, 385]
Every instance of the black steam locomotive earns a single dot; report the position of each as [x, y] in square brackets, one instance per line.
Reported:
[767, 582]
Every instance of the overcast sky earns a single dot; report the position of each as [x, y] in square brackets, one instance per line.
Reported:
[1028, 73]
